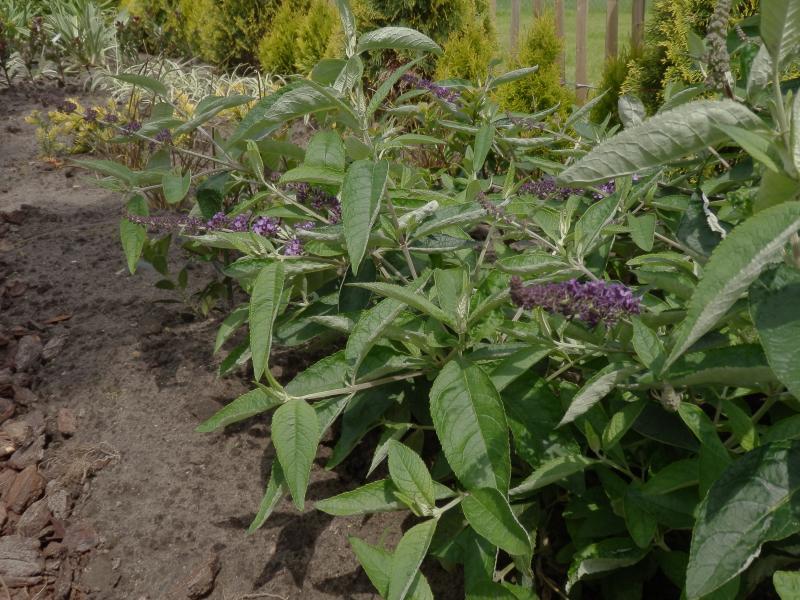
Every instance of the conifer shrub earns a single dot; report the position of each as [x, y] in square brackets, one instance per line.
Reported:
[467, 53]
[540, 46]
[298, 37]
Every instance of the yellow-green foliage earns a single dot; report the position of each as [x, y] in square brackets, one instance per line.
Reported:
[59, 133]
[540, 46]
[225, 31]
[467, 53]
[298, 37]
[666, 58]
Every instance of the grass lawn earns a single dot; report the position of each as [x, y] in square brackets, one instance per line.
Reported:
[596, 28]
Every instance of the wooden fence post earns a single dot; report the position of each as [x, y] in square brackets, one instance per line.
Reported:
[514, 27]
[493, 8]
[562, 60]
[612, 28]
[538, 8]
[582, 17]
[637, 23]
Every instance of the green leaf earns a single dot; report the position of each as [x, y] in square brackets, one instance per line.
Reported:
[108, 168]
[348, 24]
[471, 425]
[794, 133]
[754, 501]
[176, 186]
[414, 300]
[489, 513]
[410, 475]
[371, 324]
[631, 110]
[133, 237]
[308, 174]
[229, 325]
[408, 557]
[532, 262]
[755, 144]
[780, 27]
[245, 406]
[595, 389]
[265, 301]
[647, 344]
[787, 584]
[777, 320]
[775, 188]
[590, 226]
[714, 457]
[512, 76]
[620, 423]
[362, 191]
[675, 476]
[361, 415]
[640, 523]
[734, 265]
[297, 102]
[295, 433]
[670, 135]
[516, 365]
[325, 151]
[276, 490]
[607, 555]
[377, 563]
[483, 143]
[643, 230]
[397, 38]
[388, 85]
[144, 82]
[376, 496]
[552, 471]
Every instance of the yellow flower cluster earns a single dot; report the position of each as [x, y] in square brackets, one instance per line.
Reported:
[72, 129]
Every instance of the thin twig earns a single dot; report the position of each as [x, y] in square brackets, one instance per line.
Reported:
[5, 588]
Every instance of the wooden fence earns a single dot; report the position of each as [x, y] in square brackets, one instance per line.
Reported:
[581, 21]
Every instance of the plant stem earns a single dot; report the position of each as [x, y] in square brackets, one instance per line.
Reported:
[360, 386]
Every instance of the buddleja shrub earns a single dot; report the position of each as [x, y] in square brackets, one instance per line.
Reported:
[582, 387]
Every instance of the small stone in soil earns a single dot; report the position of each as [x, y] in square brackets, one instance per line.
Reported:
[99, 574]
[66, 422]
[54, 346]
[34, 519]
[19, 432]
[28, 487]
[29, 455]
[63, 584]
[200, 582]
[7, 478]
[80, 537]
[24, 396]
[7, 409]
[58, 499]
[29, 351]
[3, 515]
[20, 557]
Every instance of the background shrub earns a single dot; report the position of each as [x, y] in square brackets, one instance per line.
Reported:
[467, 53]
[540, 46]
[615, 72]
[666, 56]
[299, 36]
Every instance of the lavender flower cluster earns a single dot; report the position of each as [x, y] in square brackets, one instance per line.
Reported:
[439, 91]
[546, 187]
[169, 223]
[318, 199]
[592, 302]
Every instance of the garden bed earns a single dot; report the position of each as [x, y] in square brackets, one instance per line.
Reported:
[138, 376]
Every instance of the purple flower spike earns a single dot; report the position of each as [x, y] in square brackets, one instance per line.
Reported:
[90, 115]
[605, 189]
[593, 301]
[293, 248]
[239, 223]
[546, 187]
[266, 226]
[439, 91]
[131, 127]
[305, 226]
[218, 221]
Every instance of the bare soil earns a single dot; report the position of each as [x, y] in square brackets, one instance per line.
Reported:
[138, 376]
